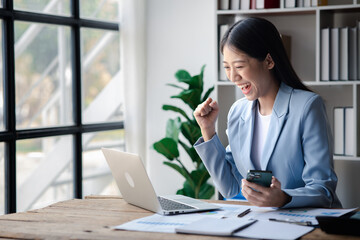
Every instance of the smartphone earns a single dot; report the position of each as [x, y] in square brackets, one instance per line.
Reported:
[262, 178]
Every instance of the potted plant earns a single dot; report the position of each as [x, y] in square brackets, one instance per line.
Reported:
[195, 184]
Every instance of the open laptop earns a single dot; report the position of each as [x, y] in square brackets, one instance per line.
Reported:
[135, 186]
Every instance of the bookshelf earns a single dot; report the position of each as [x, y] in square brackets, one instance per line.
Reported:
[303, 25]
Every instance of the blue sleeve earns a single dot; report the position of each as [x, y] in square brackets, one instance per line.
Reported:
[318, 173]
[220, 164]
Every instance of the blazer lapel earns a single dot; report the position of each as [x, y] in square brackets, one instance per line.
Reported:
[278, 118]
[246, 132]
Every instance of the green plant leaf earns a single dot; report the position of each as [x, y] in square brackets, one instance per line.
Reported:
[202, 72]
[176, 109]
[200, 177]
[191, 97]
[183, 76]
[207, 94]
[191, 152]
[200, 78]
[167, 147]
[173, 128]
[188, 190]
[206, 191]
[196, 83]
[182, 171]
[191, 132]
[175, 86]
[195, 184]
[181, 192]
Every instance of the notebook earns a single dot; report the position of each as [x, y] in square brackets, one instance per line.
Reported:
[136, 188]
[216, 227]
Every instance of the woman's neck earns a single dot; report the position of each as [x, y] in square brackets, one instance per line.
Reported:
[266, 102]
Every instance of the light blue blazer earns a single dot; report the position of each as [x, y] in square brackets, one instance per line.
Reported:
[298, 149]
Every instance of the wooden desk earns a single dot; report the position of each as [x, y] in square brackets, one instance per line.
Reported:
[91, 218]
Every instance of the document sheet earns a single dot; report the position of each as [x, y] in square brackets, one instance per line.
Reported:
[216, 227]
[261, 228]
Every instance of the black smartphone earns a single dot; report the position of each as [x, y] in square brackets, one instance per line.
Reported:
[262, 178]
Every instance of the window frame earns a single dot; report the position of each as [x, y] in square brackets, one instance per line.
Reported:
[10, 134]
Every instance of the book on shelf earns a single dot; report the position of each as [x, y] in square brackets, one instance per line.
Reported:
[315, 3]
[262, 4]
[349, 131]
[325, 54]
[340, 53]
[334, 54]
[344, 53]
[307, 3]
[353, 53]
[296, 3]
[339, 131]
[253, 4]
[245, 4]
[344, 134]
[224, 4]
[222, 75]
[234, 4]
[290, 3]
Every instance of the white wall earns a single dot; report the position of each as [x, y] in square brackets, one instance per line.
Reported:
[180, 35]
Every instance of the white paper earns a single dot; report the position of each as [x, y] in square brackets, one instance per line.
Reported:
[158, 223]
[296, 214]
[167, 224]
[265, 229]
[214, 226]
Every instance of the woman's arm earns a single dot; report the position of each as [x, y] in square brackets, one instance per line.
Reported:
[206, 114]
[318, 173]
[220, 164]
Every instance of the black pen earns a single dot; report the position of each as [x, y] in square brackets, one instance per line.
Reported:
[244, 213]
[306, 223]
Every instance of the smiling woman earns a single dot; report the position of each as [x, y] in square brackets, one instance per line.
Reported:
[253, 77]
[280, 126]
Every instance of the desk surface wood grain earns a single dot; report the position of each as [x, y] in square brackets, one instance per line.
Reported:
[92, 218]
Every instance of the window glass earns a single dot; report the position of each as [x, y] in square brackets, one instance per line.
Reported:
[97, 178]
[44, 171]
[105, 10]
[43, 75]
[2, 179]
[101, 82]
[56, 7]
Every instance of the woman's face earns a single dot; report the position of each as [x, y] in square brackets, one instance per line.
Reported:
[252, 76]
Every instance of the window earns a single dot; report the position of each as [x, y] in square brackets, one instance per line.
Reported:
[61, 100]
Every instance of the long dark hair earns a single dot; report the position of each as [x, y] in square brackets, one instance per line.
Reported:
[257, 37]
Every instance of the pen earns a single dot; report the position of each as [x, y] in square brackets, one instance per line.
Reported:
[244, 212]
[306, 223]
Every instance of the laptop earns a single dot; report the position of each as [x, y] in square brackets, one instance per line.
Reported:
[135, 186]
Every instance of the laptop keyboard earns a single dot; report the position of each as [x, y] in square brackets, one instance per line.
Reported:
[168, 204]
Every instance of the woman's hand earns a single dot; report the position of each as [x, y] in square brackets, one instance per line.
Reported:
[271, 196]
[206, 114]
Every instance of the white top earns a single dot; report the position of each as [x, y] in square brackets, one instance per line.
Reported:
[261, 129]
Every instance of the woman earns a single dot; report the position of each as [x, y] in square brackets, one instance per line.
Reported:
[279, 126]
